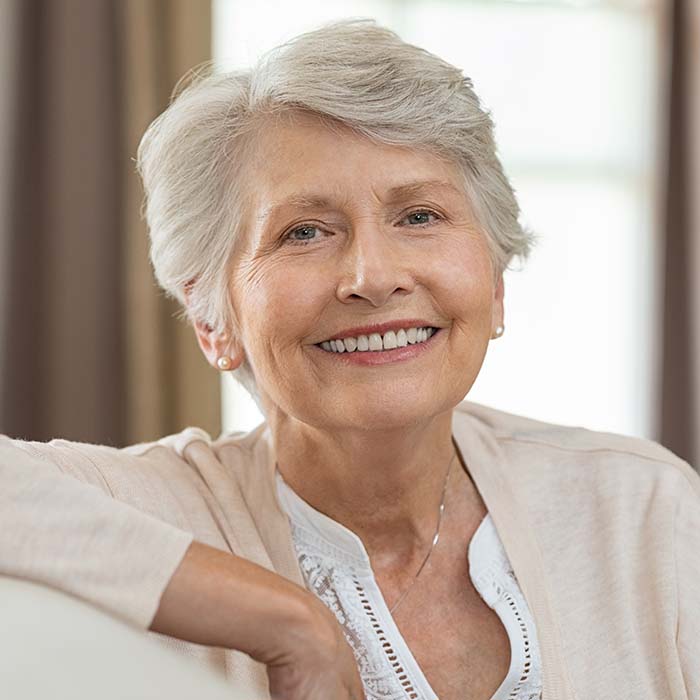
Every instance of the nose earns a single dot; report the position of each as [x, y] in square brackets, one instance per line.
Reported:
[373, 268]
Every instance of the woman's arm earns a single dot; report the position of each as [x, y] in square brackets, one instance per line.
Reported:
[61, 526]
[219, 599]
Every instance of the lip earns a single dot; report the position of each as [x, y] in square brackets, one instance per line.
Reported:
[382, 357]
[381, 328]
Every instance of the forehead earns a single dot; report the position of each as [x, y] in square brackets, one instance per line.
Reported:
[303, 157]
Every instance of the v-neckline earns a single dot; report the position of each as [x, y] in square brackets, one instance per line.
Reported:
[483, 457]
[347, 549]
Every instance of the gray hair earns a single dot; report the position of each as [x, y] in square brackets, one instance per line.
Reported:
[192, 156]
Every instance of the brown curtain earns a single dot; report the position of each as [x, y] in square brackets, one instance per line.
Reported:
[680, 390]
[90, 349]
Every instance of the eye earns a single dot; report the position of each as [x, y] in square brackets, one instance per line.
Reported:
[301, 234]
[421, 217]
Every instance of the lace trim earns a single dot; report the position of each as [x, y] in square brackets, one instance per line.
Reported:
[322, 546]
[499, 587]
[344, 594]
[387, 648]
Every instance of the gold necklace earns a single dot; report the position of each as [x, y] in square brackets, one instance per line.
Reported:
[436, 537]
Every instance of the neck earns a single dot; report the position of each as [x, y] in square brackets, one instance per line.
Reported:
[385, 486]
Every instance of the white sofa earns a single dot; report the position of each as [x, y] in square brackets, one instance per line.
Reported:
[54, 646]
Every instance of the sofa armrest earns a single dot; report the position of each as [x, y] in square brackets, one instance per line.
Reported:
[54, 646]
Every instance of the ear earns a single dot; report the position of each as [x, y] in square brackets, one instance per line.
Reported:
[215, 345]
[498, 310]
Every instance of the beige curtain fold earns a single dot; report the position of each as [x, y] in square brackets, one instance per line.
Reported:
[9, 75]
[169, 384]
[90, 348]
[680, 386]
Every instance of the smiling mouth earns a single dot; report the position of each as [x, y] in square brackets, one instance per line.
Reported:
[377, 342]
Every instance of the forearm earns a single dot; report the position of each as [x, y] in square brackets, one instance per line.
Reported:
[219, 599]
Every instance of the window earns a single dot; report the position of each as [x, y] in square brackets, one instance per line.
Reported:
[573, 89]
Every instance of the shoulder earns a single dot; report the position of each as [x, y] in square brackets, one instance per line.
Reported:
[180, 477]
[212, 460]
[177, 461]
[188, 446]
[550, 450]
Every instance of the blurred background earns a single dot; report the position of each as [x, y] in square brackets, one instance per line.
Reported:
[597, 112]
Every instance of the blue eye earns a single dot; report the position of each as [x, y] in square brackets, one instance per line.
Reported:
[305, 234]
[421, 217]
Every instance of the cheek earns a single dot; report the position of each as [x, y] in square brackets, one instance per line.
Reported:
[279, 305]
[463, 277]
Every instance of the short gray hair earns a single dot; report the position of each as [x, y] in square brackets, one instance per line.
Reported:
[353, 72]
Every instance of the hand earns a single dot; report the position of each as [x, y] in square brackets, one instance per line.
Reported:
[221, 600]
[317, 664]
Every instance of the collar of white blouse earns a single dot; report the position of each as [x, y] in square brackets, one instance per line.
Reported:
[346, 547]
[343, 544]
[489, 569]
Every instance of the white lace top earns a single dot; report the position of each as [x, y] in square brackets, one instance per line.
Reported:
[336, 567]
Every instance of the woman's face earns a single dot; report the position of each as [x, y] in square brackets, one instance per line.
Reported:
[340, 235]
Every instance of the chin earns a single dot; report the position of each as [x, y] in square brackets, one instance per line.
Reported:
[368, 414]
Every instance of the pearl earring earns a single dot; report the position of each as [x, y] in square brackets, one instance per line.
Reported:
[498, 332]
[224, 362]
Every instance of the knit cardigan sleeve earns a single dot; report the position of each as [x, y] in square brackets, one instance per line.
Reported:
[61, 525]
[687, 555]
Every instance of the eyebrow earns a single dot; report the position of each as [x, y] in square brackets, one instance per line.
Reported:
[397, 193]
[414, 188]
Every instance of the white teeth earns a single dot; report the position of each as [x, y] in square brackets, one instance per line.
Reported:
[389, 340]
[375, 342]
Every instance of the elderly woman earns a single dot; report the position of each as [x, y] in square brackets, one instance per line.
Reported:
[336, 224]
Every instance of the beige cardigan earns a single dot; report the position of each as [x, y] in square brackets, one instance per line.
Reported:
[602, 531]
